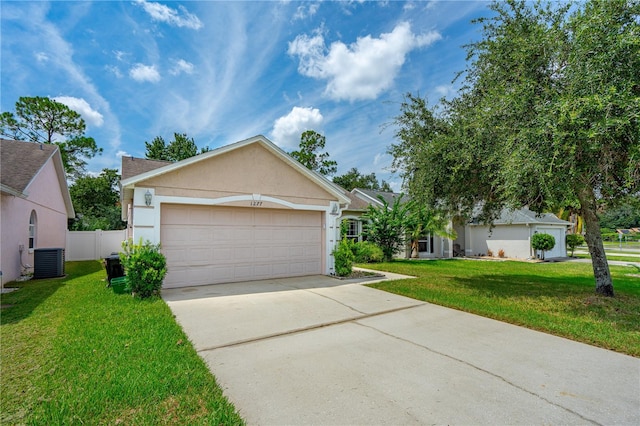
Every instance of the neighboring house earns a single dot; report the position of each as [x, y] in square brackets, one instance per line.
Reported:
[512, 233]
[626, 234]
[35, 203]
[429, 246]
[245, 211]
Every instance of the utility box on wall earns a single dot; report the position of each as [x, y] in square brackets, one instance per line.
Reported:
[48, 262]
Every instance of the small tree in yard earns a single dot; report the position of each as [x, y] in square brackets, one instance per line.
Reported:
[543, 242]
[385, 226]
[145, 267]
[573, 241]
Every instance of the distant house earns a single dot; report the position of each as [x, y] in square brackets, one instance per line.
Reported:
[35, 203]
[511, 233]
[628, 234]
[429, 246]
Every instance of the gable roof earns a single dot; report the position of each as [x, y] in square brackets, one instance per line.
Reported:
[132, 166]
[20, 163]
[370, 196]
[524, 216]
[154, 170]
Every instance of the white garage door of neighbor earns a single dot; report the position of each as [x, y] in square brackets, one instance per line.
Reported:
[209, 245]
[559, 250]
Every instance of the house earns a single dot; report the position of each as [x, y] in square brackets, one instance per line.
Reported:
[628, 234]
[35, 203]
[245, 211]
[429, 246]
[511, 233]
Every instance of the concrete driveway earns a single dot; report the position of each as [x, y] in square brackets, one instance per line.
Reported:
[316, 350]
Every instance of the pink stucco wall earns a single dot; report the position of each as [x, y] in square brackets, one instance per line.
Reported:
[45, 197]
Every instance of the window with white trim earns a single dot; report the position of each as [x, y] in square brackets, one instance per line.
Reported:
[33, 228]
[354, 229]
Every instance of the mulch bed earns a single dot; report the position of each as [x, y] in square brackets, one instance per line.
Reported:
[359, 275]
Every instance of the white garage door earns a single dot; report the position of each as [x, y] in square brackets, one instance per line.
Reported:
[560, 249]
[208, 245]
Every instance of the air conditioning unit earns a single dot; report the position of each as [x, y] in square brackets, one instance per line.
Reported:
[48, 262]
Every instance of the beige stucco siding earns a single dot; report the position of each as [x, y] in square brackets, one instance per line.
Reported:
[249, 170]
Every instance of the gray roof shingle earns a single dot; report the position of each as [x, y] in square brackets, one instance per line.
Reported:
[389, 197]
[21, 161]
[132, 166]
[524, 216]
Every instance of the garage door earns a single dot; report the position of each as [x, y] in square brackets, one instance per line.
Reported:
[559, 250]
[208, 245]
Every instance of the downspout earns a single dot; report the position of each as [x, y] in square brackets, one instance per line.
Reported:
[532, 254]
[129, 221]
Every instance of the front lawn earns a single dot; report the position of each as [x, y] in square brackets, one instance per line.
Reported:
[557, 298]
[621, 258]
[73, 352]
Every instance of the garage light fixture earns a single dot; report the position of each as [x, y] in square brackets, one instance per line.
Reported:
[147, 198]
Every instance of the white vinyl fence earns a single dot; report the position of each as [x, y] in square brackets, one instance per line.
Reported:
[93, 245]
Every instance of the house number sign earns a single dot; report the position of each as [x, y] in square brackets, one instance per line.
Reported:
[256, 200]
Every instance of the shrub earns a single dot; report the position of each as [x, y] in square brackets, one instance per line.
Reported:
[145, 267]
[501, 253]
[490, 253]
[573, 241]
[543, 242]
[343, 258]
[366, 252]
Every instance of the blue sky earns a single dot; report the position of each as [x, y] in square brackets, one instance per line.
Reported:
[226, 71]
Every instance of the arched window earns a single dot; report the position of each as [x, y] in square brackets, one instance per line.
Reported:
[33, 227]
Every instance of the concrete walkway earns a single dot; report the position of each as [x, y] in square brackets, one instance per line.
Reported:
[315, 350]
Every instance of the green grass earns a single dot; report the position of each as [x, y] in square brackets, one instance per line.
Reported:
[557, 298]
[73, 352]
[615, 245]
[610, 256]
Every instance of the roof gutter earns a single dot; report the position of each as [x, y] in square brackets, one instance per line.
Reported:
[7, 190]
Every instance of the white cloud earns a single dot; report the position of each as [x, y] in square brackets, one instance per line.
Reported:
[141, 72]
[41, 57]
[82, 107]
[163, 13]
[119, 54]
[380, 158]
[287, 129]
[361, 70]
[445, 90]
[306, 11]
[114, 70]
[182, 66]
[122, 153]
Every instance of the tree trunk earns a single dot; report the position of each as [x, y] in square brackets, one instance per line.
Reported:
[601, 273]
[414, 249]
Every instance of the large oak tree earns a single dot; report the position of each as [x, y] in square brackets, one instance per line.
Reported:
[549, 116]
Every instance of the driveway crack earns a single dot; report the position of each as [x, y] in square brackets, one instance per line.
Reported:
[475, 367]
[305, 329]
